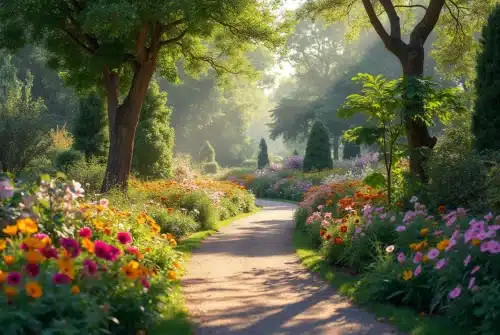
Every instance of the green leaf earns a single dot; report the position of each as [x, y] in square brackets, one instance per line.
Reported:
[375, 180]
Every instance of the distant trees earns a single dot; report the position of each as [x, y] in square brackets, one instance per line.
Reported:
[263, 157]
[318, 153]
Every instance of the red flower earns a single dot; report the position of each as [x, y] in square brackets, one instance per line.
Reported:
[343, 229]
[328, 237]
[322, 232]
[338, 240]
[441, 209]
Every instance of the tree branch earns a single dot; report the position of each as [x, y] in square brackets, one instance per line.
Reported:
[85, 47]
[423, 29]
[393, 18]
[410, 6]
[377, 25]
[217, 67]
[174, 39]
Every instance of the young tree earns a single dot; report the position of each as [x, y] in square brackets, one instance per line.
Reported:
[120, 43]
[318, 154]
[263, 157]
[207, 153]
[89, 130]
[486, 119]
[154, 140]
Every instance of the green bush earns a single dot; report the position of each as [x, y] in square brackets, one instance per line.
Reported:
[486, 119]
[175, 223]
[207, 153]
[204, 210]
[263, 157]
[318, 154]
[65, 160]
[210, 167]
[90, 174]
[154, 139]
[249, 163]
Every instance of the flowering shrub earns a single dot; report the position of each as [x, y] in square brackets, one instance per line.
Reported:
[294, 163]
[75, 267]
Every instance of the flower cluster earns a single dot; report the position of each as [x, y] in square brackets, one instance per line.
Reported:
[293, 162]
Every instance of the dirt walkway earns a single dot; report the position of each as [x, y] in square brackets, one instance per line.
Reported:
[246, 279]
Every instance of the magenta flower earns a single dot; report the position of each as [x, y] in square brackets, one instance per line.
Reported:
[49, 252]
[132, 250]
[433, 253]
[418, 257]
[145, 283]
[401, 258]
[32, 270]
[467, 260]
[400, 228]
[441, 264]
[124, 237]
[41, 236]
[475, 269]
[114, 252]
[455, 293]
[85, 232]
[61, 279]
[90, 267]
[101, 249]
[14, 278]
[472, 281]
[418, 271]
[71, 246]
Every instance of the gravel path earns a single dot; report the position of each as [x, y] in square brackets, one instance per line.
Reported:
[246, 279]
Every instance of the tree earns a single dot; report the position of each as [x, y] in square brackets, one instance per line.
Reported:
[154, 140]
[318, 154]
[23, 132]
[207, 153]
[410, 55]
[486, 120]
[263, 157]
[119, 44]
[90, 136]
[350, 150]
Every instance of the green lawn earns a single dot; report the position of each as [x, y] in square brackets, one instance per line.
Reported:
[404, 319]
[175, 319]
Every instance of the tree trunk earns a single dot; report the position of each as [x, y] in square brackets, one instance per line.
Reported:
[335, 145]
[412, 61]
[123, 119]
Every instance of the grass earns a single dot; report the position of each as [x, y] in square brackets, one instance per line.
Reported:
[176, 319]
[404, 319]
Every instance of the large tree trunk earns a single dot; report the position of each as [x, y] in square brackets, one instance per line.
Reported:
[123, 119]
[412, 62]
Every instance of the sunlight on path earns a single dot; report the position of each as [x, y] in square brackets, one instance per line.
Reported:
[246, 279]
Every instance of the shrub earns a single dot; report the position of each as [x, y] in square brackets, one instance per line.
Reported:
[249, 163]
[90, 130]
[486, 120]
[154, 139]
[65, 160]
[205, 211]
[89, 173]
[182, 167]
[207, 153]
[318, 155]
[210, 167]
[263, 157]
[175, 223]
[294, 162]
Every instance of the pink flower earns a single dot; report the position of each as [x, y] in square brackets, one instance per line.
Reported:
[328, 216]
[418, 257]
[451, 245]
[383, 216]
[400, 228]
[40, 236]
[418, 271]
[320, 207]
[433, 253]
[61, 279]
[401, 258]
[438, 233]
[6, 190]
[101, 249]
[441, 263]
[104, 202]
[475, 269]
[488, 217]
[86, 232]
[132, 250]
[90, 267]
[14, 278]
[472, 281]
[71, 246]
[358, 230]
[124, 237]
[467, 260]
[451, 221]
[32, 270]
[455, 293]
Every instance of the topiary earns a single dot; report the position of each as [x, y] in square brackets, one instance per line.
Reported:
[207, 153]
[210, 167]
[67, 159]
[318, 154]
[486, 119]
[154, 139]
[263, 157]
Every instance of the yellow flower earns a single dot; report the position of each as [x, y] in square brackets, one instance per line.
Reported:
[33, 243]
[88, 245]
[173, 243]
[10, 230]
[155, 228]
[172, 275]
[3, 244]
[476, 242]
[443, 244]
[9, 260]
[65, 265]
[131, 270]
[33, 290]
[75, 289]
[407, 275]
[34, 257]
[414, 246]
[424, 231]
[10, 291]
[27, 225]
[425, 259]
[176, 265]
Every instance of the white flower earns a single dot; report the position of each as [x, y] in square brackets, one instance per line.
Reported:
[413, 199]
[389, 249]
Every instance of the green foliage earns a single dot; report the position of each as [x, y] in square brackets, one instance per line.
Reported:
[210, 167]
[205, 211]
[66, 160]
[263, 157]
[486, 120]
[154, 138]
[23, 129]
[318, 154]
[90, 130]
[207, 153]
[175, 223]
[350, 150]
[375, 180]
[89, 173]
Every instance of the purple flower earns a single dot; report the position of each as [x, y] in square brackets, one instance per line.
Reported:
[475, 269]
[441, 264]
[71, 246]
[400, 228]
[472, 281]
[86, 232]
[418, 257]
[90, 266]
[6, 190]
[401, 258]
[14, 278]
[433, 253]
[124, 237]
[455, 293]
[49, 252]
[418, 271]
[32, 270]
[61, 279]
[467, 260]
[294, 162]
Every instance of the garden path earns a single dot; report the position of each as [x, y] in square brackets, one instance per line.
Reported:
[246, 279]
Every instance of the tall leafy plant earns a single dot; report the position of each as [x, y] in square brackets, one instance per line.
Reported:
[263, 158]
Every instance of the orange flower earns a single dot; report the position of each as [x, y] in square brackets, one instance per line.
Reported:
[8, 260]
[108, 231]
[88, 245]
[33, 243]
[3, 244]
[3, 276]
[33, 290]
[424, 231]
[172, 275]
[176, 265]
[343, 228]
[338, 240]
[75, 289]
[10, 291]
[131, 270]
[27, 225]
[173, 243]
[155, 228]
[10, 230]
[441, 209]
[443, 244]
[34, 257]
